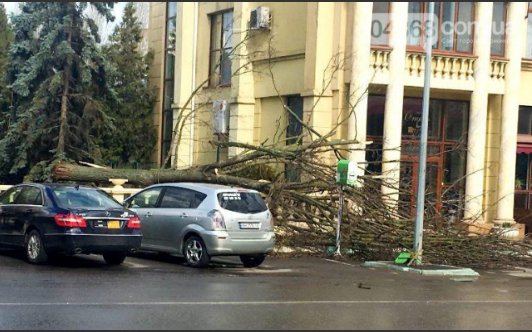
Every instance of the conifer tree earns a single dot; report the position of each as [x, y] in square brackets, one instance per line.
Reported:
[132, 139]
[6, 35]
[58, 77]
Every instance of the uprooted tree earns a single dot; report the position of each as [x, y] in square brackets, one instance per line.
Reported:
[305, 210]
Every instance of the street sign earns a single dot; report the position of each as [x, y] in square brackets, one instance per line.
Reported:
[346, 172]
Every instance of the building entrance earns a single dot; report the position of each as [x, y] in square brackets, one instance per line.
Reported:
[446, 153]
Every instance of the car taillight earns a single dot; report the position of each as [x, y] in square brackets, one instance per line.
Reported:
[133, 222]
[70, 220]
[218, 223]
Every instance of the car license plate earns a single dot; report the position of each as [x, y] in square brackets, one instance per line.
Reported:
[113, 224]
[249, 225]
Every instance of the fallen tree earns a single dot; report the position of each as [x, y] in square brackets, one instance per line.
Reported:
[306, 211]
[304, 203]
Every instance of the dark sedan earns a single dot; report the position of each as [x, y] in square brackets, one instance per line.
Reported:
[66, 219]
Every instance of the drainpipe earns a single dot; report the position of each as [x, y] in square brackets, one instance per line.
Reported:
[193, 101]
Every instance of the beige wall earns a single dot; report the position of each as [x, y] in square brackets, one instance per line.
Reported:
[156, 33]
[525, 95]
[493, 138]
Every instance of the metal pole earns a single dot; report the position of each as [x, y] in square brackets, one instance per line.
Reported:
[420, 199]
[340, 212]
[218, 148]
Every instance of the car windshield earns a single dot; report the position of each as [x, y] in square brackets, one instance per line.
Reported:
[243, 202]
[83, 197]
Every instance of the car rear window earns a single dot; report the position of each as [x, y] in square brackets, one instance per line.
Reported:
[243, 202]
[82, 197]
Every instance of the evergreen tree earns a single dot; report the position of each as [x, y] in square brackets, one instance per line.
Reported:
[132, 139]
[58, 77]
[6, 35]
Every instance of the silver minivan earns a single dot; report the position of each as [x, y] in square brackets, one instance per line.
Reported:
[200, 220]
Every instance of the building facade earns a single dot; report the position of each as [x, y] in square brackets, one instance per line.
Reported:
[357, 68]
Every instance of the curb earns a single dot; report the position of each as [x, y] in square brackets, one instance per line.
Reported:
[432, 270]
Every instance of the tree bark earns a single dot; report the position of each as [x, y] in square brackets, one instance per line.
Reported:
[70, 172]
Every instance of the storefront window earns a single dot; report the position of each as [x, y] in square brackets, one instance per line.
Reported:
[523, 168]
[446, 150]
[412, 111]
[375, 115]
[454, 165]
[455, 120]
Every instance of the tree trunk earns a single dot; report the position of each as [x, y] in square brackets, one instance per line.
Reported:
[63, 119]
[71, 172]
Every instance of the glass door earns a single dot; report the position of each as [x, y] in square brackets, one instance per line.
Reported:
[409, 183]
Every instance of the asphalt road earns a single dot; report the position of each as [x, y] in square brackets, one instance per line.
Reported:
[160, 292]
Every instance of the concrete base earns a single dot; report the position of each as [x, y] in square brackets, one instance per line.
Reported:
[429, 269]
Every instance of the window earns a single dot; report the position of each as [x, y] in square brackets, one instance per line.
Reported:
[454, 29]
[29, 196]
[412, 111]
[293, 134]
[10, 196]
[446, 150]
[145, 199]
[180, 198]
[243, 202]
[525, 120]
[221, 46]
[498, 29]
[375, 122]
[455, 120]
[168, 98]
[523, 181]
[414, 30]
[374, 131]
[380, 23]
[294, 129]
[77, 197]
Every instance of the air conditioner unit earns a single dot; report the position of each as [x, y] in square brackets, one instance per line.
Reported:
[260, 18]
[220, 110]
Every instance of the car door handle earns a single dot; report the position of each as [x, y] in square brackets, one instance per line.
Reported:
[28, 211]
[148, 214]
[183, 215]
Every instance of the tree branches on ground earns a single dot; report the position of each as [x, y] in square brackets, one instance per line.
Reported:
[305, 212]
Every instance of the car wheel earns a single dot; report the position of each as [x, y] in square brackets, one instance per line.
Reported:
[35, 252]
[195, 252]
[114, 258]
[252, 260]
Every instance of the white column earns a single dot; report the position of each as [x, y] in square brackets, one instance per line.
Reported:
[510, 112]
[393, 107]
[360, 77]
[476, 143]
